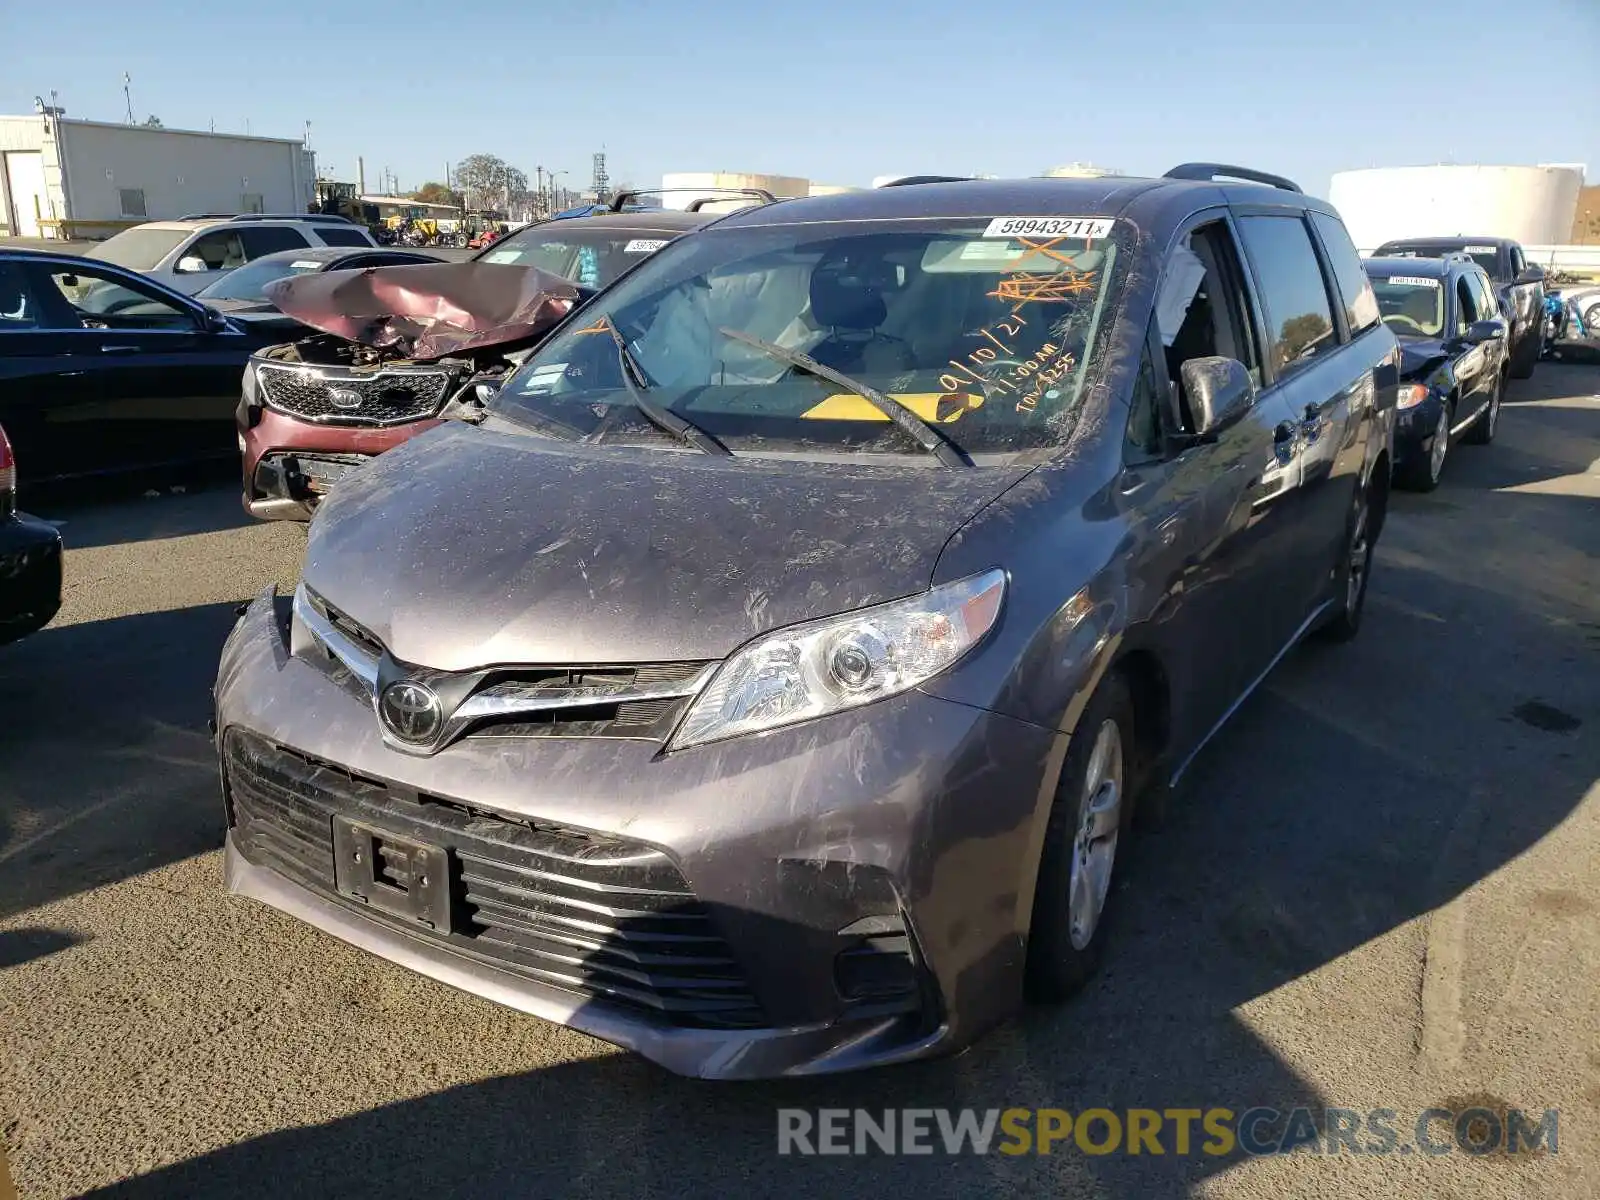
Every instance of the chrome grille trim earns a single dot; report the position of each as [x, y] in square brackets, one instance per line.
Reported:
[303, 391]
[496, 701]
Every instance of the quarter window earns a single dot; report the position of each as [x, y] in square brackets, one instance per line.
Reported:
[1355, 289]
[268, 239]
[1298, 316]
[335, 235]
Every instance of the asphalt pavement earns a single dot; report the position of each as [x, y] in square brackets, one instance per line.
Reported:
[1378, 891]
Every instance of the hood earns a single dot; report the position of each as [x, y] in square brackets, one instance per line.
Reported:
[428, 310]
[468, 547]
[1419, 355]
[236, 307]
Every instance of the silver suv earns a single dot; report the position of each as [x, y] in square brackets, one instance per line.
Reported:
[190, 253]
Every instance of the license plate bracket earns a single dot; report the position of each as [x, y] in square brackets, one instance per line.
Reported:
[395, 875]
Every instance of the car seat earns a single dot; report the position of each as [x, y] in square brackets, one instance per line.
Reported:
[849, 304]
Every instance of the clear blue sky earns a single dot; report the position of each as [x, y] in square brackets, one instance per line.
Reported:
[839, 90]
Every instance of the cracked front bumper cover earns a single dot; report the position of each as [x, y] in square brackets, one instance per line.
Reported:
[805, 845]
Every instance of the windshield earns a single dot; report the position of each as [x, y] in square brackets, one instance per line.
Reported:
[246, 282]
[1411, 305]
[590, 258]
[139, 249]
[989, 334]
[1486, 257]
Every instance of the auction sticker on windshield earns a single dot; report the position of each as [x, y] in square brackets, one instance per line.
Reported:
[1412, 281]
[1067, 227]
[644, 245]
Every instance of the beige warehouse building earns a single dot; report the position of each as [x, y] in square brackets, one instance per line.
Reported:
[66, 178]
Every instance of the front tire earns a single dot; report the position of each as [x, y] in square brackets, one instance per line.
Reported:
[1090, 816]
[1525, 357]
[1482, 430]
[1422, 473]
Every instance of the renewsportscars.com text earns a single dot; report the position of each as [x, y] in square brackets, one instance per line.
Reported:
[1176, 1131]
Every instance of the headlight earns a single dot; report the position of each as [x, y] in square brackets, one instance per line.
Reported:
[1411, 395]
[826, 666]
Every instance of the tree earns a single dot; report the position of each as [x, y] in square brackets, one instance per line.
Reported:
[487, 181]
[437, 193]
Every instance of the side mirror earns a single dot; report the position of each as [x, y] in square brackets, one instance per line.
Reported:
[192, 264]
[1485, 331]
[214, 322]
[1531, 274]
[1219, 392]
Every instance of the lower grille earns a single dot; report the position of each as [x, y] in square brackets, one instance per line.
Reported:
[599, 917]
[340, 397]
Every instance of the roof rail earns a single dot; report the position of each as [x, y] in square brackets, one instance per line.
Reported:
[913, 180]
[760, 195]
[1209, 172]
[206, 217]
[324, 217]
[621, 199]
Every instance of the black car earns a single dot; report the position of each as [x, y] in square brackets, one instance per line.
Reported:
[240, 293]
[103, 369]
[30, 560]
[1518, 284]
[766, 678]
[1454, 361]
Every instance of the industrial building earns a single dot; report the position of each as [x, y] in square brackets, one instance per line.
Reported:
[66, 178]
[1533, 205]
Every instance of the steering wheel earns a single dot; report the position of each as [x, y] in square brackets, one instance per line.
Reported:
[117, 306]
[1392, 317]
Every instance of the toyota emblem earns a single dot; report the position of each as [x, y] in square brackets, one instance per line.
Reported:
[411, 712]
[346, 399]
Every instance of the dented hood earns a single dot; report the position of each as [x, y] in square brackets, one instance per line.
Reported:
[467, 547]
[428, 310]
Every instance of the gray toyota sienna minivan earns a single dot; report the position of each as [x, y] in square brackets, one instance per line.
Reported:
[766, 677]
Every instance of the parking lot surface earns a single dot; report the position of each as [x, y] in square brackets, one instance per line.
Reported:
[1378, 890]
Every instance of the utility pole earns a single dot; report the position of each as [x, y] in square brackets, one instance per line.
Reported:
[127, 95]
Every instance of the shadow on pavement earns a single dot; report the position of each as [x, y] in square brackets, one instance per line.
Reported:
[118, 509]
[18, 946]
[108, 769]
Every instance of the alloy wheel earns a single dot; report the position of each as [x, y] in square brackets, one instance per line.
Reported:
[1360, 554]
[1441, 444]
[1094, 845]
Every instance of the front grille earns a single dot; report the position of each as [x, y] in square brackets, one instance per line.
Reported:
[602, 918]
[387, 397]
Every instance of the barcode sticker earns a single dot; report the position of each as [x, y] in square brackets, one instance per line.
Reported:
[1061, 227]
[1412, 281]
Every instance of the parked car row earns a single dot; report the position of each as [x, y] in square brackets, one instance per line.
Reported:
[765, 669]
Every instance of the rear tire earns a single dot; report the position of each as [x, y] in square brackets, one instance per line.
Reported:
[1089, 821]
[1355, 567]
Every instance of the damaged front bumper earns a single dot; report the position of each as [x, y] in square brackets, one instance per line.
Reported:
[848, 892]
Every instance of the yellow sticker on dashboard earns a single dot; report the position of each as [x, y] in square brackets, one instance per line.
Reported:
[942, 407]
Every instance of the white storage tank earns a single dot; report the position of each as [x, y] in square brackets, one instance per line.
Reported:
[704, 184]
[1533, 205]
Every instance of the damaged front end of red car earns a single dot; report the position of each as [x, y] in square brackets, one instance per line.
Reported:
[393, 347]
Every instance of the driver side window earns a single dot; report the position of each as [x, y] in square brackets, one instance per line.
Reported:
[90, 299]
[220, 251]
[1466, 307]
[1201, 309]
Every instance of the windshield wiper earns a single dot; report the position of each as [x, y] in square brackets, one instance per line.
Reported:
[660, 416]
[926, 435]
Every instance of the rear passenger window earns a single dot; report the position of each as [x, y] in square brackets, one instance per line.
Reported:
[1355, 289]
[269, 239]
[335, 235]
[1293, 291]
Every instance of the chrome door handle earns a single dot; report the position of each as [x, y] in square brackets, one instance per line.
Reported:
[119, 349]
